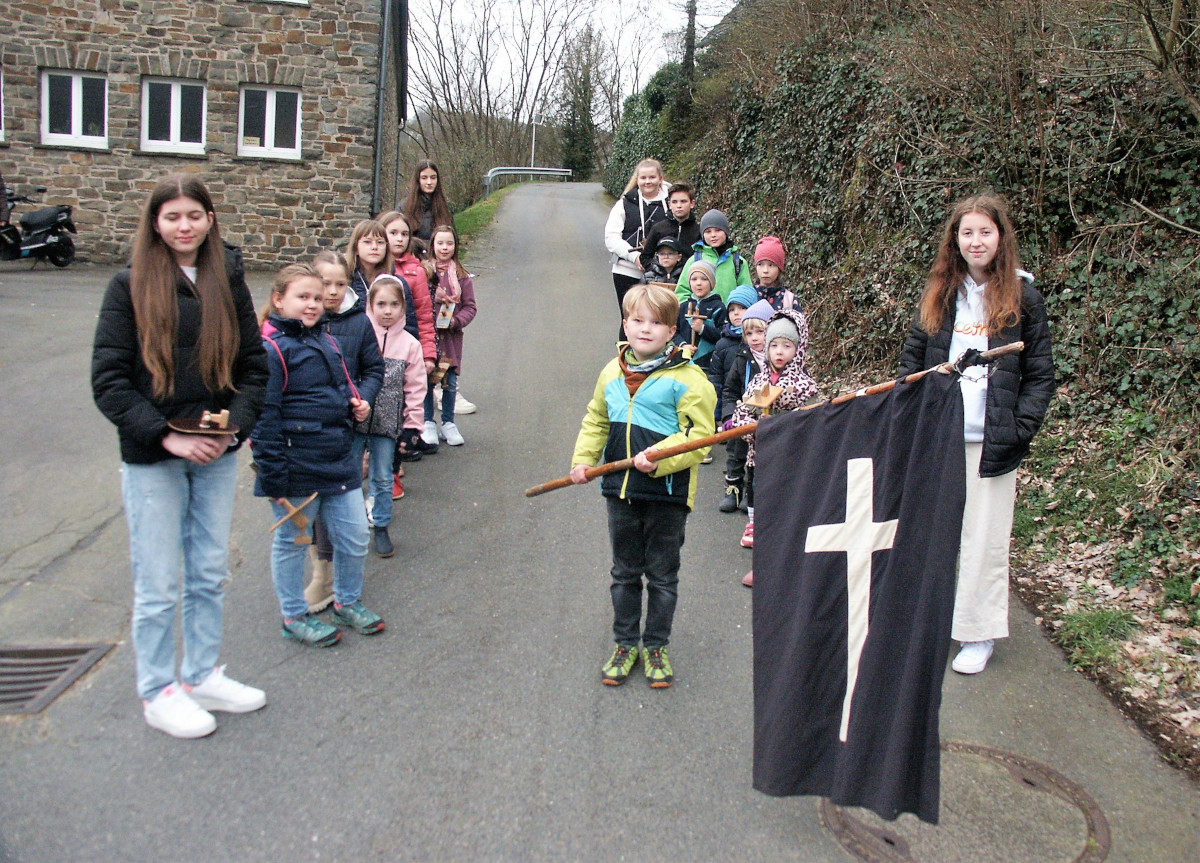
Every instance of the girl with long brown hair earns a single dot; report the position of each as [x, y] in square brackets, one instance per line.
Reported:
[977, 298]
[425, 203]
[177, 336]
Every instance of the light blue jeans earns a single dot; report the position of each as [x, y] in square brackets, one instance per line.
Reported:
[179, 515]
[346, 520]
[379, 474]
[449, 391]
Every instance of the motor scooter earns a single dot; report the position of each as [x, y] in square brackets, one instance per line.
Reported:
[43, 233]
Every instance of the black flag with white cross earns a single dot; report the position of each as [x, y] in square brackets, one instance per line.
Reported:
[858, 514]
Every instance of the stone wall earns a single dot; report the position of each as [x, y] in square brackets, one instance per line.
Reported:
[279, 211]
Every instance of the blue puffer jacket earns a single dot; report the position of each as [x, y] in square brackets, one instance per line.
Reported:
[360, 350]
[303, 438]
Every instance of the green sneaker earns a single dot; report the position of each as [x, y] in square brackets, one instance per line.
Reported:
[315, 633]
[616, 670]
[359, 617]
[658, 667]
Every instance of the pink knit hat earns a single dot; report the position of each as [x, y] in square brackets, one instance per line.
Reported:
[770, 249]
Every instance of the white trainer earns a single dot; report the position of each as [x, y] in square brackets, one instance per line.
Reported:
[462, 406]
[218, 692]
[973, 657]
[451, 434]
[430, 435]
[174, 712]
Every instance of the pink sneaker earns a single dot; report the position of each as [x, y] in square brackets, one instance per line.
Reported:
[748, 579]
[748, 536]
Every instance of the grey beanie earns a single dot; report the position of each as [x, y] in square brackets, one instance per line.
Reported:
[714, 219]
[708, 269]
[782, 327]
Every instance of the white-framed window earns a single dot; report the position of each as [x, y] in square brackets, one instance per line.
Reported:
[269, 122]
[74, 108]
[173, 115]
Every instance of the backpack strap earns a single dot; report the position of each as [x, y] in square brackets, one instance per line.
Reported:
[269, 340]
[342, 360]
[737, 264]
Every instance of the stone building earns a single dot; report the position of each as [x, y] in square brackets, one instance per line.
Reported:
[276, 105]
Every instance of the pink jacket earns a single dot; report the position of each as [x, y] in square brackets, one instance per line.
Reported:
[413, 272]
[401, 400]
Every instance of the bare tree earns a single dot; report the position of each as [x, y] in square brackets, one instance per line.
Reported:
[482, 70]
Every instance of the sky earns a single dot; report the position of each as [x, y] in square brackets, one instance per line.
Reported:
[672, 16]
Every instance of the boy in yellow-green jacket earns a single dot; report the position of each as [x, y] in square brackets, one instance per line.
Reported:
[650, 397]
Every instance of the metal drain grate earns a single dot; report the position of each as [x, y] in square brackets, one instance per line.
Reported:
[32, 677]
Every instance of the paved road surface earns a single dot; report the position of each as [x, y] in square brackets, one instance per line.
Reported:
[475, 727]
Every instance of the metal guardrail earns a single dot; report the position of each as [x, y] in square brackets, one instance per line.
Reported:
[531, 172]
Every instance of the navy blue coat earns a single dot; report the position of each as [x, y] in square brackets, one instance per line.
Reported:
[303, 439]
[721, 360]
[741, 372]
[360, 350]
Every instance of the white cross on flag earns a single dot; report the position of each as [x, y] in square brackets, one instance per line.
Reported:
[858, 513]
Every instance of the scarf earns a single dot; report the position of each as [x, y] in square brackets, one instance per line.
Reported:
[635, 374]
[448, 290]
[760, 357]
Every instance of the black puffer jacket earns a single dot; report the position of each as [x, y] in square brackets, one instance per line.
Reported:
[1019, 389]
[122, 385]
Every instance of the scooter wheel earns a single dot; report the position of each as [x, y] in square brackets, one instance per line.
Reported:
[62, 253]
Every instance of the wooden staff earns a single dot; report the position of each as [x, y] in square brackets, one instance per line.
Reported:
[694, 315]
[983, 358]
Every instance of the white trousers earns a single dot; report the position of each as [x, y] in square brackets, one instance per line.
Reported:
[981, 597]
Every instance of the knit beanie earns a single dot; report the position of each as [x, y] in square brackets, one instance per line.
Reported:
[770, 249]
[782, 327]
[760, 311]
[708, 269]
[744, 295]
[714, 219]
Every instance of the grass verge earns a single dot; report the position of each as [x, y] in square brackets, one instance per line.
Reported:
[475, 218]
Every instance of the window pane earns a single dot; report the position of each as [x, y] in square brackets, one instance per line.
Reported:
[158, 111]
[285, 120]
[191, 114]
[94, 107]
[59, 109]
[254, 117]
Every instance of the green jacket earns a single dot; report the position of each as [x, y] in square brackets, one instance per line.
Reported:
[675, 403]
[732, 270]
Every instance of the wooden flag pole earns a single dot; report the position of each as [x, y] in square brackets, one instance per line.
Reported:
[983, 358]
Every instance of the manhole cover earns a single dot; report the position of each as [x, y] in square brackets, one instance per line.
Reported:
[996, 807]
[32, 677]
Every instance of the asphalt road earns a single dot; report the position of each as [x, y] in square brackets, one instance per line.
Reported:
[475, 727]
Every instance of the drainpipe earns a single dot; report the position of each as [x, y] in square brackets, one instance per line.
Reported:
[380, 92]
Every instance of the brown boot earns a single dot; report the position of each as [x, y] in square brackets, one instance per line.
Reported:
[319, 592]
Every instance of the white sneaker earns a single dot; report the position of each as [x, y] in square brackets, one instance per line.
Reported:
[973, 657]
[219, 692]
[451, 434]
[174, 712]
[461, 405]
[430, 435]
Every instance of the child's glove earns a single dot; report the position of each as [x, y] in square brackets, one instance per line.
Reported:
[727, 425]
[409, 440]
